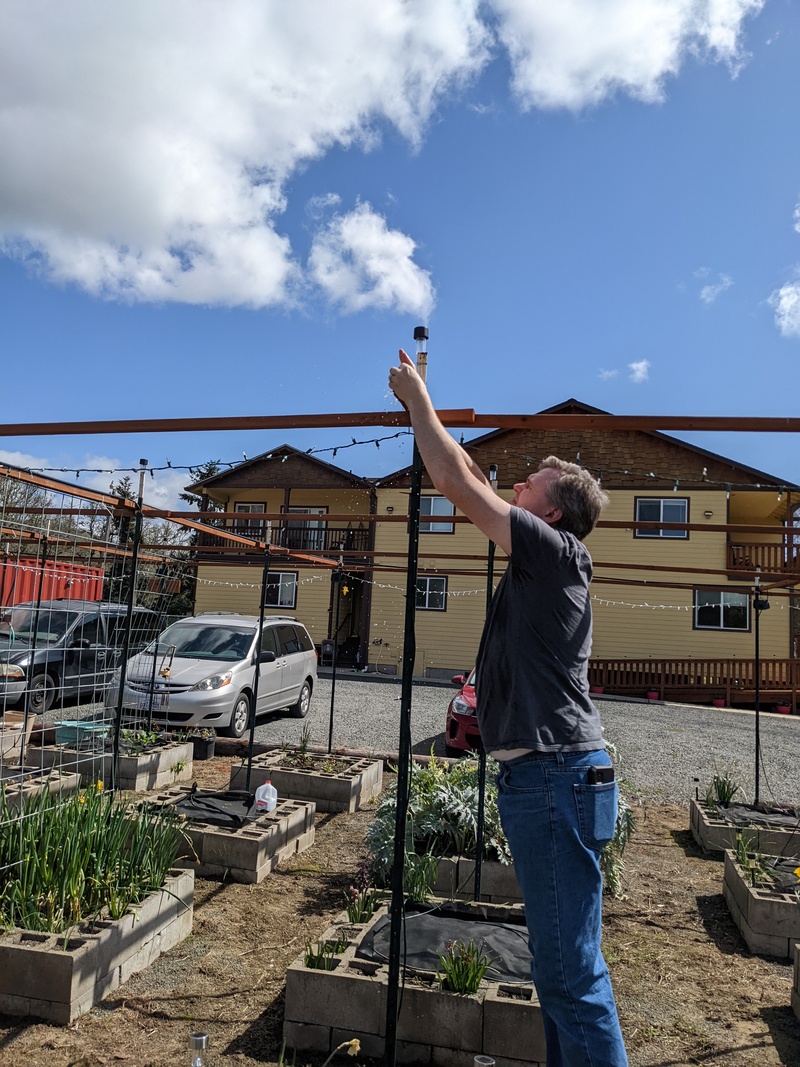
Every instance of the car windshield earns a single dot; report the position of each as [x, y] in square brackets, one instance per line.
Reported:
[193, 641]
[49, 627]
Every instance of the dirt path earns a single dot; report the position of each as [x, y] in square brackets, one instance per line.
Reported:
[689, 991]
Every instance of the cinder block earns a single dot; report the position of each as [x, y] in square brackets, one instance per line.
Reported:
[453, 1020]
[307, 1037]
[512, 1023]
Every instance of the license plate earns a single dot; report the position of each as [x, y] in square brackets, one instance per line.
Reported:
[144, 700]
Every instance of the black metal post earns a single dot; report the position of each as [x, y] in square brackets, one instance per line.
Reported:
[396, 909]
[759, 604]
[126, 637]
[257, 674]
[336, 582]
[26, 711]
[482, 751]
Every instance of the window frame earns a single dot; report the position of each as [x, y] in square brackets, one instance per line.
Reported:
[660, 534]
[249, 507]
[273, 584]
[429, 527]
[722, 594]
[427, 579]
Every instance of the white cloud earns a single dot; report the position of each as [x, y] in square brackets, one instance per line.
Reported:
[786, 302]
[709, 293]
[639, 370]
[149, 147]
[796, 217]
[576, 53]
[360, 263]
[605, 375]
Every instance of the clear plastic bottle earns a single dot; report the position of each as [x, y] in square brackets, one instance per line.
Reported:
[266, 796]
[198, 1043]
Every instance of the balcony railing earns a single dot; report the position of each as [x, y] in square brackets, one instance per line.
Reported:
[326, 539]
[700, 680]
[771, 558]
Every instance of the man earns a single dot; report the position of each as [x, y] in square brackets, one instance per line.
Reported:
[557, 794]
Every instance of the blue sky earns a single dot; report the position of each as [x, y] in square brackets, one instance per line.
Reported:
[246, 208]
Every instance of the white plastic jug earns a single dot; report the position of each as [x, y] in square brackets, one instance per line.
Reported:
[266, 796]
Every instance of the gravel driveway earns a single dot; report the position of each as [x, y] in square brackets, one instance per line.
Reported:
[662, 747]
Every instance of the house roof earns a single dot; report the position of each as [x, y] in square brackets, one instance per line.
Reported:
[279, 468]
[726, 470]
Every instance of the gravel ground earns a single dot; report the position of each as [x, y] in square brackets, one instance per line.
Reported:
[662, 748]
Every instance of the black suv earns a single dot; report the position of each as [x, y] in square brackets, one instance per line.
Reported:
[65, 648]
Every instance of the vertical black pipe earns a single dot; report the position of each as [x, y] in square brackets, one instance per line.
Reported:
[126, 637]
[757, 612]
[404, 746]
[336, 582]
[257, 673]
[26, 710]
[482, 751]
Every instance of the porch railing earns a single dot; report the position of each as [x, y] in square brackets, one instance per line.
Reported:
[700, 680]
[300, 538]
[774, 558]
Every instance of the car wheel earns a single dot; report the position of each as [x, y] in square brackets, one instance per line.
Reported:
[240, 717]
[41, 694]
[300, 709]
[454, 753]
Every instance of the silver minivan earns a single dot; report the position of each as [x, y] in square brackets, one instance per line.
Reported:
[200, 672]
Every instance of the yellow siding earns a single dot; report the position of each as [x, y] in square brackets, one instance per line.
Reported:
[238, 588]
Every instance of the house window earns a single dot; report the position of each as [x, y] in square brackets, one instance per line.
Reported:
[431, 594]
[435, 505]
[721, 610]
[249, 527]
[662, 509]
[281, 589]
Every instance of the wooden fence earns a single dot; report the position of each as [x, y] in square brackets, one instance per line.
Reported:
[700, 680]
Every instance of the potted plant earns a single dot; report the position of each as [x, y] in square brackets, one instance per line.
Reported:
[596, 688]
[653, 694]
[783, 707]
[203, 740]
[718, 701]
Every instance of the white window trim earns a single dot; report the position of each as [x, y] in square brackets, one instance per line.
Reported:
[279, 585]
[427, 526]
[427, 579]
[722, 593]
[655, 534]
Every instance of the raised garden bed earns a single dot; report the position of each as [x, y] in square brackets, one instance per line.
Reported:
[325, 1007]
[715, 833]
[455, 880]
[768, 917]
[58, 977]
[333, 783]
[157, 767]
[22, 783]
[247, 854]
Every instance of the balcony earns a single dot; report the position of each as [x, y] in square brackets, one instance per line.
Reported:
[771, 558]
[324, 540]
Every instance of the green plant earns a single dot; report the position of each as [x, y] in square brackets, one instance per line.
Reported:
[63, 860]
[305, 739]
[722, 789]
[320, 955]
[138, 741]
[179, 766]
[612, 863]
[442, 817]
[750, 861]
[419, 875]
[361, 899]
[463, 966]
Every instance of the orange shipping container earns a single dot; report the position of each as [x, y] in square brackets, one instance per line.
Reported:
[20, 580]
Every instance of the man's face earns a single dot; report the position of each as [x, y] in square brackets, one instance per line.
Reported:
[532, 495]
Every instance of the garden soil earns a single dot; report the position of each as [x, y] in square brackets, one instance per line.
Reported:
[689, 991]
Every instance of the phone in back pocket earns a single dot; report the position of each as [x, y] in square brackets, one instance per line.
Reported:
[600, 775]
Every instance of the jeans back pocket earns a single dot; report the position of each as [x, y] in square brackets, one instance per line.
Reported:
[597, 813]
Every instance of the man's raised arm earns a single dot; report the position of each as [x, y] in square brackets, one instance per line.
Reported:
[453, 472]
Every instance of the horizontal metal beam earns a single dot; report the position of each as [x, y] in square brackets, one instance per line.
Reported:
[452, 417]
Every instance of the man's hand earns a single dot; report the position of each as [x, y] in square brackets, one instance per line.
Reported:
[405, 383]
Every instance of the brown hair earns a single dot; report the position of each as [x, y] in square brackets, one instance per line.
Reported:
[577, 494]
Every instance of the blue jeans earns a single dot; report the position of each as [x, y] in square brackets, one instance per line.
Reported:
[556, 825]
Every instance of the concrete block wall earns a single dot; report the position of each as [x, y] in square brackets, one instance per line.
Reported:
[768, 919]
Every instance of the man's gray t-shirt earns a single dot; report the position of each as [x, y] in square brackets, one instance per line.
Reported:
[532, 689]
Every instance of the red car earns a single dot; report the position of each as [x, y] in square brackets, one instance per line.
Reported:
[461, 728]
